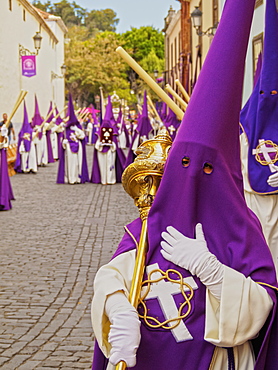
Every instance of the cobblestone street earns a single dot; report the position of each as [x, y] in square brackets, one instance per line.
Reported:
[52, 243]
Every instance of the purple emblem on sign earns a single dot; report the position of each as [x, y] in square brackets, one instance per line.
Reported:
[28, 65]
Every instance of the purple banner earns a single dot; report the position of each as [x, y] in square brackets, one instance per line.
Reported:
[28, 65]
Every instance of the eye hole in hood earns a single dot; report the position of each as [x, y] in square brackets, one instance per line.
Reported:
[208, 168]
[185, 161]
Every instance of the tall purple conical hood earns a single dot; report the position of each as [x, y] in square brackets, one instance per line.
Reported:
[269, 74]
[144, 126]
[108, 120]
[214, 107]
[202, 183]
[37, 119]
[259, 116]
[71, 114]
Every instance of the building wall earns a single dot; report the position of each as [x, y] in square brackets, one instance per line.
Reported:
[173, 48]
[14, 31]
[206, 6]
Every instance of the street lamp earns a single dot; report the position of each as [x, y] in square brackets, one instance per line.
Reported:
[37, 43]
[63, 71]
[196, 17]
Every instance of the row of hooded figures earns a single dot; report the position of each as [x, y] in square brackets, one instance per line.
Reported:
[115, 141]
[42, 141]
[223, 314]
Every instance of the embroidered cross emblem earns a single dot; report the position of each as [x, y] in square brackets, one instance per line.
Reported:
[265, 152]
[164, 292]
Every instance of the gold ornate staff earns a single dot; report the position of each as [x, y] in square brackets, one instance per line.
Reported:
[149, 81]
[141, 180]
[176, 96]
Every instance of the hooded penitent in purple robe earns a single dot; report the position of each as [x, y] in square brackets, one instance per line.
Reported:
[6, 192]
[202, 183]
[143, 131]
[163, 114]
[37, 120]
[259, 117]
[172, 123]
[74, 145]
[60, 135]
[95, 126]
[108, 124]
[48, 136]
[25, 135]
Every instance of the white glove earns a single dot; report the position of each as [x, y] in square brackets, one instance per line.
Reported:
[64, 143]
[4, 131]
[273, 180]
[194, 256]
[124, 335]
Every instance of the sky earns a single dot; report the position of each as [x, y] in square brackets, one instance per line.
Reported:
[135, 13]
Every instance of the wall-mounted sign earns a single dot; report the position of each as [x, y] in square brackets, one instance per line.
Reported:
[28, 65]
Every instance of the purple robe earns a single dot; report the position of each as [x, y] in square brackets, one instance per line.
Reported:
[108, 123]
[6, 192]
[259, 116]
[84, 177]
[189, 194]
[25, 135]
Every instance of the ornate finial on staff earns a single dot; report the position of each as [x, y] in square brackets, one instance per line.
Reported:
[142, 177]
[141, 180]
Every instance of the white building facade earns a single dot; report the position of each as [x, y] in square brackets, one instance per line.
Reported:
[20, 21]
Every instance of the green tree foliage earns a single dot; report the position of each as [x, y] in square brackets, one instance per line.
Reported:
[152, 63]
[46, 7]
[141, 41]
[90, 54]
[103, 20]
[73, 14]
[146, 46]
[94, 63]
